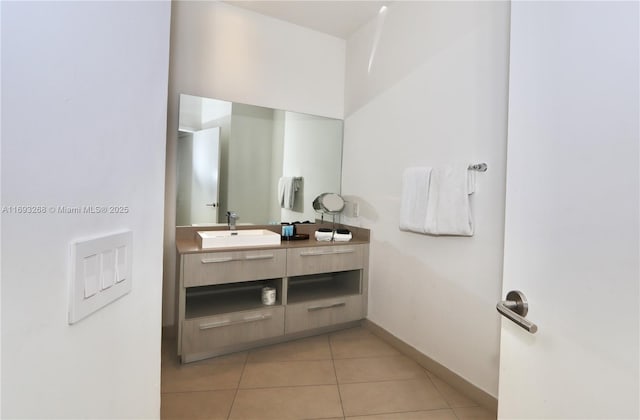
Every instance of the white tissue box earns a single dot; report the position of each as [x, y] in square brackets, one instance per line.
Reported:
[323, 236]
[342, 237]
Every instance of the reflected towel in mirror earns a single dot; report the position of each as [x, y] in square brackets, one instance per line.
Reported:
[287, 187]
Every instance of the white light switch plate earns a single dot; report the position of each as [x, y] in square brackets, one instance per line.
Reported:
[100, 273]
[351, 209]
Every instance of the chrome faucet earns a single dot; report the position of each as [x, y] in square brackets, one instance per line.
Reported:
[232, 217]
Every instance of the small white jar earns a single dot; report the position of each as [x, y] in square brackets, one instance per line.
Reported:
[268, 296]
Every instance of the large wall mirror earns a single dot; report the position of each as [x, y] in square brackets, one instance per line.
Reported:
[265, 164]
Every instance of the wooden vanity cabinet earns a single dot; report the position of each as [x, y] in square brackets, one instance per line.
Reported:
[220, 310]
[230, 267]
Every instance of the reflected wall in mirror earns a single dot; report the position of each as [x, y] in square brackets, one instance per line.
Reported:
[267, 165]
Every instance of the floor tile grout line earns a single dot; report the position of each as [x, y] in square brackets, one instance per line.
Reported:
[406, 411]
[285, 386]
[197, 390]
[381, 356]
[368, 357]
[438, 390]
[456, 414]
[287, 361]
[379, 381]
[373, 381]
[233, 402]
[335, 372]
[430, 374]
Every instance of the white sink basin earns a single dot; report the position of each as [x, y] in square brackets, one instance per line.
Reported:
[211, 239]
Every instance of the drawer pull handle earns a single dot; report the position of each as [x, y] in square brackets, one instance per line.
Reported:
[259, 257]
[335, 251]
[241, 321]
[215, 260]
[334, 305]
[228, 259]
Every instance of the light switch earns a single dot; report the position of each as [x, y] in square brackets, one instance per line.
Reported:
[91, 275]
[351, 209]
[108, 272]
[100, 273]
[121, 263]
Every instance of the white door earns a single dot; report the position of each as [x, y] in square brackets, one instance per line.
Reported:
[198, 174]
[205, 176]
[572, 214]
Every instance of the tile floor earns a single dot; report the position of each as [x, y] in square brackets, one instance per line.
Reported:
[349, 374]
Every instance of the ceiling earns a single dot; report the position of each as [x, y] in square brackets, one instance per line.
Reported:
[337, 18]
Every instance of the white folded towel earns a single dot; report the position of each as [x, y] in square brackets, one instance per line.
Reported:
[287, 187]
[435, 201]
[415, 194]
[448, 206]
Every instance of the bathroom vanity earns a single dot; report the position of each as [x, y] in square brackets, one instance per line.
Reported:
[320, 287]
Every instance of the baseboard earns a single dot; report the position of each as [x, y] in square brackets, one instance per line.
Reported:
[456, 381]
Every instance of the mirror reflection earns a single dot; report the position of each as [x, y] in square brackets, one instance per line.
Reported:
[266, 165]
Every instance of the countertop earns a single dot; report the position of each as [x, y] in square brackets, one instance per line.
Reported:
[186, 242]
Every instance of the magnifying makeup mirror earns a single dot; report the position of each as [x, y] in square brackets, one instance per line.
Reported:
[328, 203]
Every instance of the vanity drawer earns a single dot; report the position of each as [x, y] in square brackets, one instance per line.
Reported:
[324, 259]
[232, 267]
[322, 313]
[202, 335]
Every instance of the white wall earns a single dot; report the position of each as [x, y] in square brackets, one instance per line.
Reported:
[83, 123]
[436, 94]
[224, 52]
